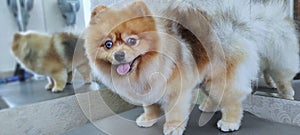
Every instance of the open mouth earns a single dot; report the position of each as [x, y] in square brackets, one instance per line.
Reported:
[125, 68]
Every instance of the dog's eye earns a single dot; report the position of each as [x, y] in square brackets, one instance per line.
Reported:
[131, 41]
[109, 44]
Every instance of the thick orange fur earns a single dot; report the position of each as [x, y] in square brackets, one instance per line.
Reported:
[171, 62]
[51, 56]
[220, 82]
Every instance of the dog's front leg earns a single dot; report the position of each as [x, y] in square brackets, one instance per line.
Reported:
[177, 111]
[150, 116]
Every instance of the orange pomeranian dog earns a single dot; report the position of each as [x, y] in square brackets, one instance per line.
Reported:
[145, 60]
[157, 62]
[51, 55]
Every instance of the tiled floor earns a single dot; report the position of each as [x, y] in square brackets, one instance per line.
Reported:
[32, 91]
[251, 125]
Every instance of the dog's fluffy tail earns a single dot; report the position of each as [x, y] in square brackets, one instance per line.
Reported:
[275, 9]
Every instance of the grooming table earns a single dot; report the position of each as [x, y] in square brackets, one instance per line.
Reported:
[251, 125]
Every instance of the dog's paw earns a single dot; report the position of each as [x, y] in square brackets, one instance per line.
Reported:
[56, 90]
[173, 130]
[49, 87]
[228, 126]
[287, 96]
[144, 121]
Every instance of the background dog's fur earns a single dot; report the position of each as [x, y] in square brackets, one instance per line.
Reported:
[274, 35]
[233, 39]
[51, 55]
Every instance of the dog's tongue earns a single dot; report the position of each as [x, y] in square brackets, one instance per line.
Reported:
[123, 69]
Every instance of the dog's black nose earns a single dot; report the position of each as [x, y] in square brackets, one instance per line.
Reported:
[119, 56]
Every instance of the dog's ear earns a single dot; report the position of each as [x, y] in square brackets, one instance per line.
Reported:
[98, 10]
[17, 36]
[140, 8]
[15, 42]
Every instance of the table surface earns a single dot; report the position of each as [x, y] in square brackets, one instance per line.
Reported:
[124, 124]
